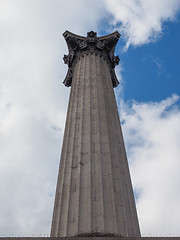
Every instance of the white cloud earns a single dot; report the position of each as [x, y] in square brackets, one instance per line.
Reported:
[152, 133]
[33, 104]
[141, 21]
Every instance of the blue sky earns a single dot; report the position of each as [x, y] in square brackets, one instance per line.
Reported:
[33, 105]
[151, 71]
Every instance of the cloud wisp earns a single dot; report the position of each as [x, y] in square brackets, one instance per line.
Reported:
[152, 131]
[140, 21]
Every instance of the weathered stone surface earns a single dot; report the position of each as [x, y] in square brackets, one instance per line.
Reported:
[94, 192]
[89, 238]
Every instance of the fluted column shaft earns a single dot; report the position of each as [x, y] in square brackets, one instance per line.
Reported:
[94, 190]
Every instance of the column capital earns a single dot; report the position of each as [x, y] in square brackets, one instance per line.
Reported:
[77, 45]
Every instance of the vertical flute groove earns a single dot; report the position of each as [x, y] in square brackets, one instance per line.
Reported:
[68, 171]
[59, 192]
[97, 72]
[114, 156]
[109, 197]
[75, 167]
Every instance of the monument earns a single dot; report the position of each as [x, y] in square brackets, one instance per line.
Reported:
[94, 195]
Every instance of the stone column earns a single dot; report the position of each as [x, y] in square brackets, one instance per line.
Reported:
[94, 195]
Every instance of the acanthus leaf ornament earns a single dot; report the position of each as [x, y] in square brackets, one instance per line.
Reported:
[78, 45]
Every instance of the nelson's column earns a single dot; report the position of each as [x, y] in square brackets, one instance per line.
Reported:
[94, 195]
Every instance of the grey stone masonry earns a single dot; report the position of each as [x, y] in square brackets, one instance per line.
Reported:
[89, 238]
[94, 192]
